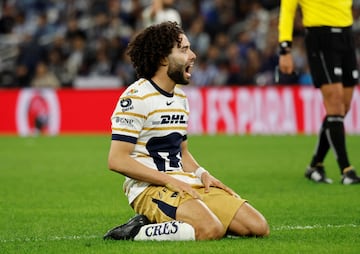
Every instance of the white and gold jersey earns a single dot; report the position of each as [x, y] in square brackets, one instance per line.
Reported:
[156, 122]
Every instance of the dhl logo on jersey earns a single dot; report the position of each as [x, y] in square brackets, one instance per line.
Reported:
[173, 119]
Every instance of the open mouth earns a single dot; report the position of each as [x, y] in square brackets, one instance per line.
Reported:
[188, 70]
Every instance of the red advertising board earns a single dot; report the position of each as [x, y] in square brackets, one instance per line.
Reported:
[231, 110]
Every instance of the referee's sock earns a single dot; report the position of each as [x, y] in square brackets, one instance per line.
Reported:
[335, 133]
[322, 146]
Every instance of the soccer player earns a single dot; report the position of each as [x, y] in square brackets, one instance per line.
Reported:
[332, 61]
[164, 184]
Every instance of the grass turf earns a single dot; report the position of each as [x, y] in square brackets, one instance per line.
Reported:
[57, 196]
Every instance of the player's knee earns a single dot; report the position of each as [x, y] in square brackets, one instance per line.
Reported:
[261, 229]
[210, 231]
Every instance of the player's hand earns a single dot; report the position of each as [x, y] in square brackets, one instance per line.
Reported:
[286, 63]
[182, 188]
[208, 180]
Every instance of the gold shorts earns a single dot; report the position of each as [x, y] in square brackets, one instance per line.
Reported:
[159, 203]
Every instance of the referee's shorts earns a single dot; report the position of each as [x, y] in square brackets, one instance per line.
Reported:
[331, 55]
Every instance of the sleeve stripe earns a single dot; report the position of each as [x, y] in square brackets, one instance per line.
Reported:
[142, 97]
[165, 128]
[126, 130]
[141, 143]
[119, 137]
[130, 114]
[169, 110]
[180, 95]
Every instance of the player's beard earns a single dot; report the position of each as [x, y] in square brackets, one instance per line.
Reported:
[176, 73]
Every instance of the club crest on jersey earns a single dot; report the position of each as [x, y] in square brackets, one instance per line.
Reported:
[126, 104]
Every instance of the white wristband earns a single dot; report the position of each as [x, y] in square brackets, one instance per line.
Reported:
[198, 172]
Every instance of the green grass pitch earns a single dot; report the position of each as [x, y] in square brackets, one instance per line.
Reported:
[57, 196]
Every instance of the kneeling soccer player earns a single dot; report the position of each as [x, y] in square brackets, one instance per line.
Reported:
[175, 197]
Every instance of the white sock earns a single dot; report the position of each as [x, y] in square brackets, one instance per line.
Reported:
[166, 231]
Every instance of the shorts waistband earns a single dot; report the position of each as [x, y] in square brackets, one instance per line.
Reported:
[328, 29]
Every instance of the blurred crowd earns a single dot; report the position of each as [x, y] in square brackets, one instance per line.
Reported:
[66, 43]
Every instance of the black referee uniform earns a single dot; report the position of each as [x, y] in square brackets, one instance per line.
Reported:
[332, 59]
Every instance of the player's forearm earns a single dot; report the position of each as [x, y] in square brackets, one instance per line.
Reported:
[188, 162]
[129, 167]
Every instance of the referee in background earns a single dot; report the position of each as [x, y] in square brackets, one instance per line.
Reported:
[332, 60]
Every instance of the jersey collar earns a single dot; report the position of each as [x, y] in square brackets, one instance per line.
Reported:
[161, 90]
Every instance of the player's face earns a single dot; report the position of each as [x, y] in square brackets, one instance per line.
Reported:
[181, 61]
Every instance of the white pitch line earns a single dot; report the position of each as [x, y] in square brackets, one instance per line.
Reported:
[88, 237]
[279, 228]
[51, 238]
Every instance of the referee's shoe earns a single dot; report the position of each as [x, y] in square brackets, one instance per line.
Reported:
[317, 174]
[350, 177]
[128, 230]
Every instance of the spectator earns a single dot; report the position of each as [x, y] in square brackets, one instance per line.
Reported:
[222, 75]
[258, 23]
[99, 29]
[44, 78]
[22, 76]
[219, 16]
[20, 28]
[73, 29]
[159, 11]
[102, 64]
[76, 61]
[234, 64]
[204, 73]
[198, 38]
[7, 19]
[125, 70]
[121, 24]
[249, 58]
[44, 31]
[30, 53]
[56, 66]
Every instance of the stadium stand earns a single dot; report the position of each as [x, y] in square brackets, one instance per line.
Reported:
[235, 40]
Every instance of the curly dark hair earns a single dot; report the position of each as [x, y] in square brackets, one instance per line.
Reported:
[152, 45]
